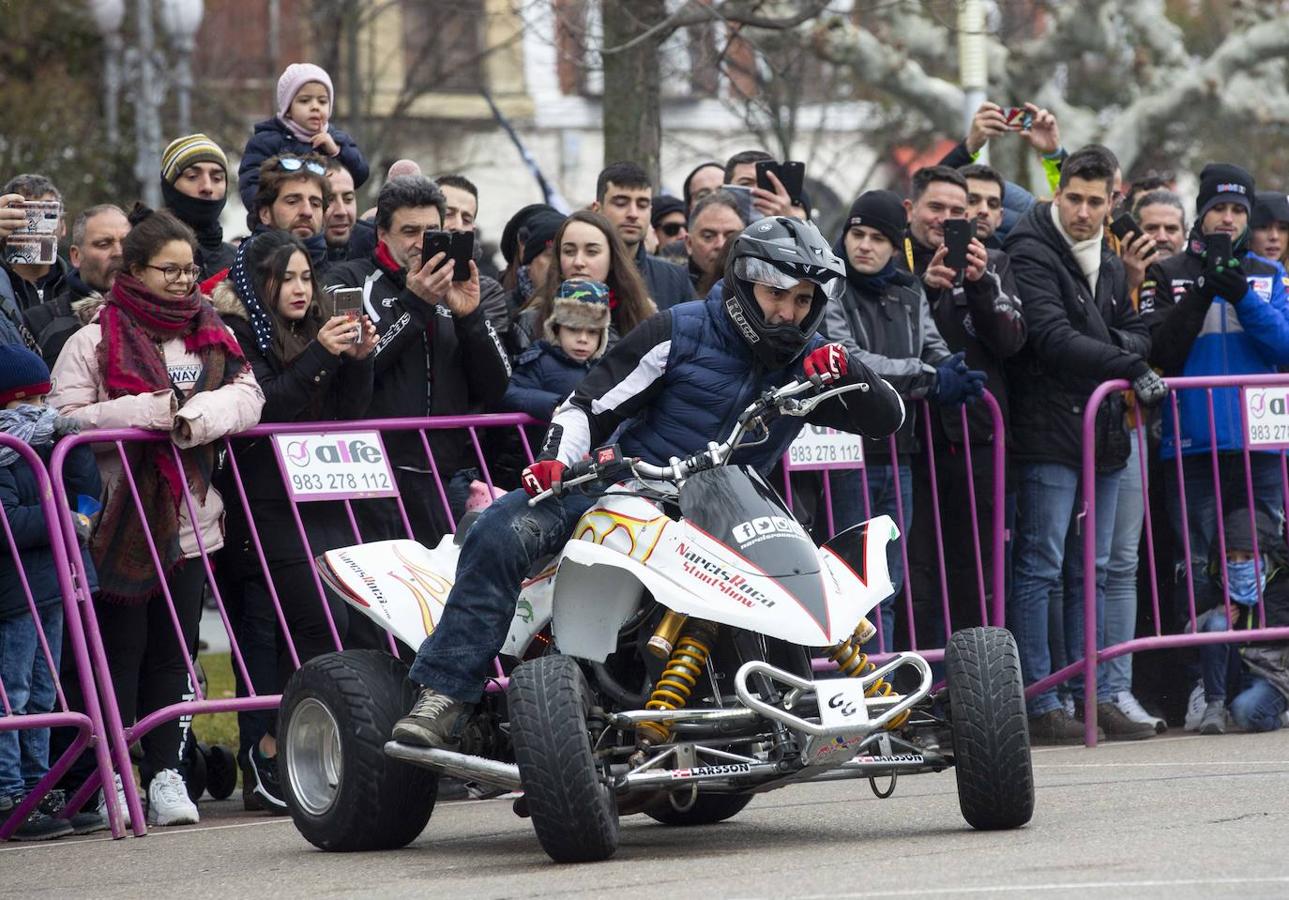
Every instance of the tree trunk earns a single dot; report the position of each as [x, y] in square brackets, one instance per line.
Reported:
[632, 88]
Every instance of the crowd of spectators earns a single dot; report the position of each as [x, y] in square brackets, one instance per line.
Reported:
[155, 321]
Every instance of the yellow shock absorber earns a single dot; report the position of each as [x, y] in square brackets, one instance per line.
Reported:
[853, 663]
[678, 679]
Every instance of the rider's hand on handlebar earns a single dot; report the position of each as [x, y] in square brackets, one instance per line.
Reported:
[541, 475]
[829, 362]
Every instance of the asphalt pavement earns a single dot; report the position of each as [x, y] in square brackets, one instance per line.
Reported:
[1177, 816]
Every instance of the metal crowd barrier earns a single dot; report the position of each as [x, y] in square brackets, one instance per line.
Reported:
[89, 723]
[1268, 425]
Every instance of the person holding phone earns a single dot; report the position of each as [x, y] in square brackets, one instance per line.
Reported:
[310, 368]
[1217, 309]
[973, 300]
[437, 353]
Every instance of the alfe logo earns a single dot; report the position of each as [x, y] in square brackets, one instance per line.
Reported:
[1264, 402]
[336, 452]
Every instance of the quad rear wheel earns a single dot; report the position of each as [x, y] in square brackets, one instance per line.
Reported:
[990, 731]
[343, 792]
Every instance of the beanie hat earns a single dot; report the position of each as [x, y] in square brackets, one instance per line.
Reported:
[23, 374]
[188, 151]
[1269, 207]
[882, 210]
[510, 235]
[1223, 183]
[580, 304]
[664, 206]
[296, 76]
[539, 233]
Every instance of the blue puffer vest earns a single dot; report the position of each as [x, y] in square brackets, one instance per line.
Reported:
[711, 377]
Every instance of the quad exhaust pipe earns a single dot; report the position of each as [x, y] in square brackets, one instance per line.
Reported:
[460, 765]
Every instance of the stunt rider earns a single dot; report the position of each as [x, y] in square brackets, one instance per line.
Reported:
[682, 378]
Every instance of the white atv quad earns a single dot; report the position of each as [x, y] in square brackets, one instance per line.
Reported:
[664, 668]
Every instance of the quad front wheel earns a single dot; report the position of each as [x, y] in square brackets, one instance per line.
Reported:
[344, 793]
[990, 731]
[574, 811]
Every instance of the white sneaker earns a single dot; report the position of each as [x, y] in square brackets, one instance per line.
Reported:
[1067, 703]
[1130, 707]
[168, 802]
[120, 800]
[1195, 708]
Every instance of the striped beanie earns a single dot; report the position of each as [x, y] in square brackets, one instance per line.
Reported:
[189, 150]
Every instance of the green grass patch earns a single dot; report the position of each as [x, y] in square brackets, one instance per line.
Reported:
[218, 728]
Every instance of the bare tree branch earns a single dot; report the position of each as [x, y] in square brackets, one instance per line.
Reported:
[732, 12]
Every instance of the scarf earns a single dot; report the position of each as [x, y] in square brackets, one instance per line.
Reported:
[135, 322]
[298, 131]
[1086, 253]
[201, 215]
[240, 278]
[38, 426]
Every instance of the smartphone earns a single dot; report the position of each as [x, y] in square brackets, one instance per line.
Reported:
[792, 174]
[462, 253]
[1217, 246]
[957, 237]
[1018, 118]
[348, 302]
[1125, 228]
[434, 243]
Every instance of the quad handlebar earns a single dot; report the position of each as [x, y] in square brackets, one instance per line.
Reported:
[781, 401]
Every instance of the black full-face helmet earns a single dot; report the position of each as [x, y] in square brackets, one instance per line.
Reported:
[779, 252]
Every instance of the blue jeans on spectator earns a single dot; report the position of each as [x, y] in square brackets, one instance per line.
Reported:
[1121, 572]
[1256, 704]
[1049, 545]
[1201, 504]
[848, 510]
[500, 549]
[29, 685]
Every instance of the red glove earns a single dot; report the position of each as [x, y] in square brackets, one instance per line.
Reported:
[541, 475]
[829, 361]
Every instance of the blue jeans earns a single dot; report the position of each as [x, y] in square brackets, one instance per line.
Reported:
[29, 685]
[848, 510]
[499, 551]
[1049, 545]
[1256, 705]
[1121, 572]
[1201, 505]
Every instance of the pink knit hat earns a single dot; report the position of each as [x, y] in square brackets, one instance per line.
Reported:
[296, 76]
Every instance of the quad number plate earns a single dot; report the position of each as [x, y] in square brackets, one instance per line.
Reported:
[841, 703]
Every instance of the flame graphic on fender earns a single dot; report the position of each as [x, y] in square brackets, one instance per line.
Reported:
[422, 582]
[597, 525]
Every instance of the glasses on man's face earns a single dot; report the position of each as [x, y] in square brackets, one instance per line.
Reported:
[671, 229]
[295, 164]
[173, 273]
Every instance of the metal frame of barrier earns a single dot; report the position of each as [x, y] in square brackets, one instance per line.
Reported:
[89, 724]
[993, 601]
[118, 735]
[1092, 656]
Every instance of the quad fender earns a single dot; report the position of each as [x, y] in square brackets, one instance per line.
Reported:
[856, 558]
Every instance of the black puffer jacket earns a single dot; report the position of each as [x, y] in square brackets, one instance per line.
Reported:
[428, 362]
[316, 386]
[1077, 339]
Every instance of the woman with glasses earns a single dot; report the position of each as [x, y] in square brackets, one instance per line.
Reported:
[156, 356]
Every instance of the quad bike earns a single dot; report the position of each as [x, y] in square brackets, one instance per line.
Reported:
[664, 668]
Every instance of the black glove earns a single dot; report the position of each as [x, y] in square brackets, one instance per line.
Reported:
[1223, 278]
[1149, 388]
[955, 383]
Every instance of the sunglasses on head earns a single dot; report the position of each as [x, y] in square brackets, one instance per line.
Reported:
[671, 229]
[295, 164]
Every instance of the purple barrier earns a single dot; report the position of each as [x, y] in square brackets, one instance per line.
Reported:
[1271, 437]
[120, 734]
[88, 724]
[989, 593]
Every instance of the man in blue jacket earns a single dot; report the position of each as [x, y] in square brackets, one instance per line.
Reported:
[675, 383]
[1217, 316]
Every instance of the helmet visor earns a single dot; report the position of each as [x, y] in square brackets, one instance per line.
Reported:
[760, 271]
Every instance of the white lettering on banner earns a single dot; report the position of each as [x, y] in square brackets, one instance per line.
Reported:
[819, 447]
[348, 465]
[1266, 416]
